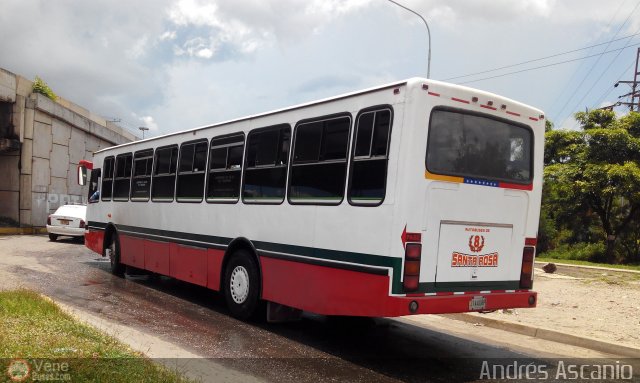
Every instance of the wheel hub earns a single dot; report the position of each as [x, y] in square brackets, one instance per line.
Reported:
[239, 284]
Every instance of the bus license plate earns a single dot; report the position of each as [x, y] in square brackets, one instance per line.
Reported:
[477, 303]
[64, 221]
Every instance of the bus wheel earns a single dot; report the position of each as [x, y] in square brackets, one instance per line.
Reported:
[113, 252]
[53, 237]
[242, 285]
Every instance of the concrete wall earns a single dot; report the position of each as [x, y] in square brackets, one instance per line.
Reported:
[54, 136]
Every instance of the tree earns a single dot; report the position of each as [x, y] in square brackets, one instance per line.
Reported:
[596, 171]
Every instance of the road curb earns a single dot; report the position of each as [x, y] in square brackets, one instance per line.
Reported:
[548, 334]
[590, 267]
[22, 230]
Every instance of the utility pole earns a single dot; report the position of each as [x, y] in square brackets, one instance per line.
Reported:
[143, 129]
[634, 103]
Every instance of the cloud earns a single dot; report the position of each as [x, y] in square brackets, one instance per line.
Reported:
[149, 123]
[192, 62]
[244, 27]
[328, 82]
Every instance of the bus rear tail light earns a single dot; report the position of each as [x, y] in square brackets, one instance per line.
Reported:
[411, 278]
[82, 223]
[49, 220]
[526, 273]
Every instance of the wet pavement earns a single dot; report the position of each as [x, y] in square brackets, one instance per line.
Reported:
[313, 349]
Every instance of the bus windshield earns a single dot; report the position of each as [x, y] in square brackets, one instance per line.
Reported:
[472, 145]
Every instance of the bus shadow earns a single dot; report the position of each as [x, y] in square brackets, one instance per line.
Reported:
[333, 348]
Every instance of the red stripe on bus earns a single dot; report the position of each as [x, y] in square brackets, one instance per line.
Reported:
[328, 291]
[94, 240]
[434, 94]
[132, 251]
[513, 113]
[459, 100]
[533, 119]
[214, 268]
[189, 264]
[515, 186]
[322, 290]
[318, 289]
[157, 257]
[488, 107]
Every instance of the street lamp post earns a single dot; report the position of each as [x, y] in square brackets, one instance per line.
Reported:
[143, 129]
[428, 33]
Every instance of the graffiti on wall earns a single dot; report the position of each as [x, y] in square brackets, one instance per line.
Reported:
[55, 200]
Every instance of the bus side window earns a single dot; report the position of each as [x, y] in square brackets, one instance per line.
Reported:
[225, 168]
[319, 164]
[107, 180]
[94, 194]
[265, 174]
[164, 174]
[141, 184]
[368, 175]
[191, 171]
[122, 181]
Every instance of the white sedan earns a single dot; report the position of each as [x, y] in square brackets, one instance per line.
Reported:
[68, 220]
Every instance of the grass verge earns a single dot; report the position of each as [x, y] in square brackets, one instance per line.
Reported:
[587, 263]
[36, 331]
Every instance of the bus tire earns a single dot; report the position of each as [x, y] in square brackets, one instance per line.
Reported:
[242, 285]
[113, 252]
[53, 237]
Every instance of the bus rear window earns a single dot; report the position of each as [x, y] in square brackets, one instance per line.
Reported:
[471, 145]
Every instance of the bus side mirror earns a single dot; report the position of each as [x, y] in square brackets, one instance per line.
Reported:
[82, 175]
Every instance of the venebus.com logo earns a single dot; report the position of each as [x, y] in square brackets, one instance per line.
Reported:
[19, 370]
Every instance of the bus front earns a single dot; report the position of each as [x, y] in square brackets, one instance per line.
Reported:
[474, 241]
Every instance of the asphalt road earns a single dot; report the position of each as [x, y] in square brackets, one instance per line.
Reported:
[314, 349]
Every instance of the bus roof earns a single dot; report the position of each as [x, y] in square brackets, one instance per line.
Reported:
[414, 80]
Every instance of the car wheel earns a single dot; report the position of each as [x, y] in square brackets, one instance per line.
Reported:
[242, 285]
[53, 237]
[113, 252]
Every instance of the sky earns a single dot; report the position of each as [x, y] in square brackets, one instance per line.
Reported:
[172, 65]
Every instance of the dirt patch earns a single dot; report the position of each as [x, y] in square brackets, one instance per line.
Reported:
[593, 303]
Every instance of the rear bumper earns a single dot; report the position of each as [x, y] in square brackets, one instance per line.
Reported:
[62, 230]
[459, 303]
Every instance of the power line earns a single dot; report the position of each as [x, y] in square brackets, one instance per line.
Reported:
[607, 93]
[600, 77]
[596, 63]
[546, 66]
[534, 60]
[575, 73]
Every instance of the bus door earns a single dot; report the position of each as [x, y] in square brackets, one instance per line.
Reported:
[479, 170]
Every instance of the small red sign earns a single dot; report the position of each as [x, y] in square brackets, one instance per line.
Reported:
[410, 237]
[470, 260]
[476, 243]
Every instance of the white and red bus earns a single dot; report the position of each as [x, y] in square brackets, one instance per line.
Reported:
[414, 197]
